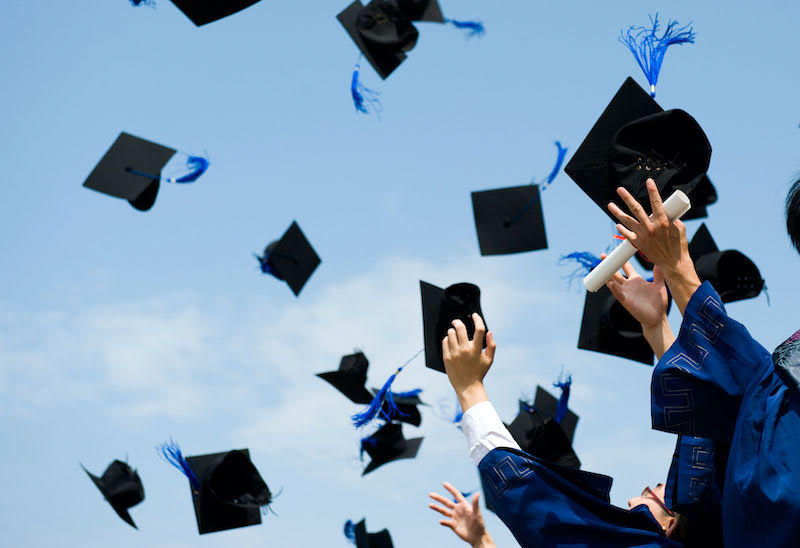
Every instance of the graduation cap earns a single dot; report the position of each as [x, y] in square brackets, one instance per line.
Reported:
[131, 170]
[121, 487]
[381, 31]
[202, 12]
[635, 139]
[509, 220]
[406, 404]
[538, 433]
[388, 444]
[291, 259]
[439, 308]
[422, 10]
[734, 276]
[610, 329]
[350, 378]
[357, 533]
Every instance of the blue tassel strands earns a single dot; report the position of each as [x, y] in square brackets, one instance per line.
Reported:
[263, 264]
[364, 99]
[197, 165]
[584, 261]
[383, 405]
[560, 155]
[171, 452]
[649, 50]
[563, 400]
[138, 3]
[350, 531]
[471, 28]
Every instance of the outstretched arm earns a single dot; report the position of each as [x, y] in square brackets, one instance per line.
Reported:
[662, 241]
[466, 362]
[463, 517]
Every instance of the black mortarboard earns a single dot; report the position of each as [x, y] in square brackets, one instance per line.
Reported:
[538, 434]
[381, 31]
[734, 276]
[406, 405]
[635, 139]
[231, 492]
[439, 308]
[349, 379]
[388, 444]
[291, 258]
[547, 404]
[509, 220]
[121, 487]
[608, 328]
[202, 12]
[131, 169]
[381, 539]
[422, 10]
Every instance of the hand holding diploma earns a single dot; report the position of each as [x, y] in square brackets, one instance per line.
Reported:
[663, 216]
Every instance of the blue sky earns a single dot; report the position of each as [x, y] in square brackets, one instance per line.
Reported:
[119, 329]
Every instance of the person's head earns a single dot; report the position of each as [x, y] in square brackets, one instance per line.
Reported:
[793, 215]
[674, 524]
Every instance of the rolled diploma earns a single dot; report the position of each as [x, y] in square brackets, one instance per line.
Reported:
[675, 207]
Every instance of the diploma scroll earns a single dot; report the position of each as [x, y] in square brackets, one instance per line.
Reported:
[675, 207]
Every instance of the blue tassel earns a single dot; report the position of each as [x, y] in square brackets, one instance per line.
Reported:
[562, 153]
[369, 441]
[383, 403]
[472, 28]
[350, 531]
[264, 264]
[173, 455]
[586, 262]
[143, 2]
[649, 50]
[526, 407]
[197, 165]
[364, 99]
[409, 394]
[563, 400]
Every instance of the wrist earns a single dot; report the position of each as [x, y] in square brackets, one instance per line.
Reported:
[471, 395]
[484, 542]
[659, 336]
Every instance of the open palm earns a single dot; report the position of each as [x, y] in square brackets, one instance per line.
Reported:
[464, 517]
[646, 301]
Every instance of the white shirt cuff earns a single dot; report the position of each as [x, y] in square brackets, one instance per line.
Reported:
[485, 431]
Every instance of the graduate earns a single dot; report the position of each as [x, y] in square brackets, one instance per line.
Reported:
[543, 504]
[715, 381]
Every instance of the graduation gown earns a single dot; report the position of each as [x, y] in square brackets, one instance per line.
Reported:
[546, 505]
[716, 382]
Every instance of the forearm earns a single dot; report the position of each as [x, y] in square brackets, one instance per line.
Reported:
[485, 541]
[471, 395]
[682, 281]
[660, 337]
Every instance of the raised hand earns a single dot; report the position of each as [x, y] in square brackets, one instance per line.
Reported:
[463, 517]
[646, 301]
[466, 362]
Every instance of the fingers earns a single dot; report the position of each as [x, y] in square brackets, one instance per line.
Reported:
[476, 509]
[635, 207]
[445, 513]
[448, 523]
[616, 290]
[655, 201]
[630, 272]
[491, 346]
[628, 234]
[623, 217]
[444, 500]
[455, 492]
[618, 278]
[461, 332]
[452, 340]
[445, 350]
[480, 329]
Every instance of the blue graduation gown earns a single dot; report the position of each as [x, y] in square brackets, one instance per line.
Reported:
[717, 382]
[546, 505]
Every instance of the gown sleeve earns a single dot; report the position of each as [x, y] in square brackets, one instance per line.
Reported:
[699, 382]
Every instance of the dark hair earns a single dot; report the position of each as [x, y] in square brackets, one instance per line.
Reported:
[793, 215]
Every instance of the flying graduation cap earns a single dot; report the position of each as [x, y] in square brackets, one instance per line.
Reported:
[384, 32]
[121, 487]
[227, 490]
[291, 259]
[539, 432]
[131, 170]
[388, 444]
[202, 12]
[510, 220]
[734, 276]
[439, 308]
[357, 534]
